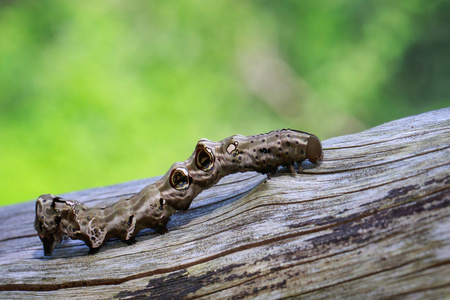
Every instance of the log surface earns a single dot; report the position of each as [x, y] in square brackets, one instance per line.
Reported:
[372, 221]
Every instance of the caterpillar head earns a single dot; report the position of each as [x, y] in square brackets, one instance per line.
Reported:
[314, 150]
[47, 221]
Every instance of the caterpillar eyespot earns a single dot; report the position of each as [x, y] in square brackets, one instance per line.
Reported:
[179, 179]
[154, 204]
[204, 158]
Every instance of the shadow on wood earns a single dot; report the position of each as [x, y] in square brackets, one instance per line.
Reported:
[372, 220]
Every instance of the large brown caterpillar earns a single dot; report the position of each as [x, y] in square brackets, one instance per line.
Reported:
[155, 203]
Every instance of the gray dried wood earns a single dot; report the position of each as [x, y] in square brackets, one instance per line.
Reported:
[372, 221]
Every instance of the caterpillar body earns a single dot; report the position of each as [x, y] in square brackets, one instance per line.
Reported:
[154, 204]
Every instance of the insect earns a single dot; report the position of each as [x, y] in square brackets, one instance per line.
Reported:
[154, 204]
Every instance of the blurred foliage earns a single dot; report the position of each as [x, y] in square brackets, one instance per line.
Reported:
[97, 94]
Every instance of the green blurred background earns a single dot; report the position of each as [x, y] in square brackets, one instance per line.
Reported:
[102, 92]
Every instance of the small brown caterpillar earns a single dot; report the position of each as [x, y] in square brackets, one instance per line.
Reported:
[155, 203]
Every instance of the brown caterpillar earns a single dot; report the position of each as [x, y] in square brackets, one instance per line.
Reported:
[155, 203]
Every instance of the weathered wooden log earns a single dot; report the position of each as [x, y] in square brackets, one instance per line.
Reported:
[373, 220]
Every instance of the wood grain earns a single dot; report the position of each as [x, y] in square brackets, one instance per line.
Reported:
[373, 220]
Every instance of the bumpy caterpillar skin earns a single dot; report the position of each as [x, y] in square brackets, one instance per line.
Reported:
[155, 203]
